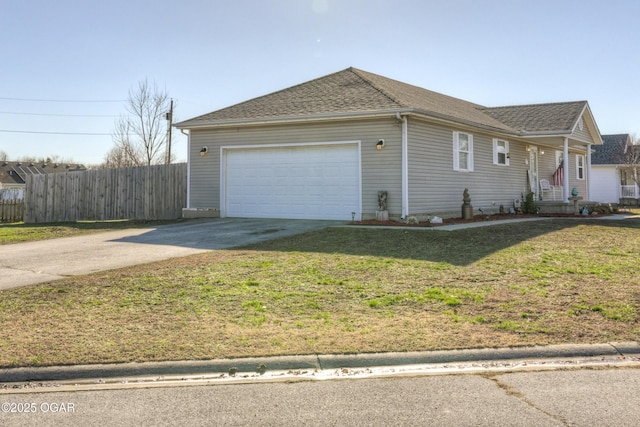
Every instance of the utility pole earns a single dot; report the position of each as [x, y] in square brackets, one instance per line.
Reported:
[169, 117]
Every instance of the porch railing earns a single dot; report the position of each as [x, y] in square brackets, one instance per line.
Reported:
[629, 191]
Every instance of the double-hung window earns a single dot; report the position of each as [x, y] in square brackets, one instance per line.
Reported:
[462, 151]
[500, 152]
[579, 166]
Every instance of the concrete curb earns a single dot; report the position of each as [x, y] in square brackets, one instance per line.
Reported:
[313, 362]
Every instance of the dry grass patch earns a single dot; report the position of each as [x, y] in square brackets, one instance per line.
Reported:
[340, 291]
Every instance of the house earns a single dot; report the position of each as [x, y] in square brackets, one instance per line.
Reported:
[613, 177]
[325, 148]
[13, 175]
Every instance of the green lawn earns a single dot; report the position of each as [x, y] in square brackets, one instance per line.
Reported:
[20, 232]
[342, 290]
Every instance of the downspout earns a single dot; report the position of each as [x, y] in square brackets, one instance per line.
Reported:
[188, 167]
[565, 166]
[405, 166]
[587, 173]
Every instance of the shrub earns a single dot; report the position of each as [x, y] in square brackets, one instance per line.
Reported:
[529, 204]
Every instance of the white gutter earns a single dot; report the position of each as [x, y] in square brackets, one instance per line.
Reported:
[287, 119]
[428, 115]
[188, 167]
[544, 133]
[587, 172]
[405, 165]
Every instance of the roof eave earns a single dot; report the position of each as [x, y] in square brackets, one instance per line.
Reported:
[340, 116]
[545, 133]
[189, 124]
[455, 120]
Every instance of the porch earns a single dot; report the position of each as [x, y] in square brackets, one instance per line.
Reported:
[573, 206]
[629, 195]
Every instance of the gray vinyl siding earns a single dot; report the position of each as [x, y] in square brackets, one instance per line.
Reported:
[381, 170]
[584, 134]
[435, 188]
[547, 167]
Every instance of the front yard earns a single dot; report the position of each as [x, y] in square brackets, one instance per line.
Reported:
[19, 232]
[342, 290]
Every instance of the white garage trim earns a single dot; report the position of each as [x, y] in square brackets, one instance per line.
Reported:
[354, 184]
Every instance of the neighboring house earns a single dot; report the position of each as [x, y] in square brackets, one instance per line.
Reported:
[13, 175]
[612, 175]
[325, 148]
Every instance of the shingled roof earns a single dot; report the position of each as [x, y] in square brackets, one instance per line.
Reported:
[353, 91]
[556, 117]
[16, 172]
[611, 151]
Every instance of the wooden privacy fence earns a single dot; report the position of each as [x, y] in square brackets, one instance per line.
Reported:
[141, 193]
[11, 210]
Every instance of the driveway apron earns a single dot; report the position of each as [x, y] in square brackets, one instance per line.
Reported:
[42, 261]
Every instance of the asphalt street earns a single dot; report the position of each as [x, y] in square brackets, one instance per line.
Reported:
[601, 397]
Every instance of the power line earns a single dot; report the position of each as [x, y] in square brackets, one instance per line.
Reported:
[59, 115]
[56, 133]
[62, 100]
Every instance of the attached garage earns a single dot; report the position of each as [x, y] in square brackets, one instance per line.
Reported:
[295, 181]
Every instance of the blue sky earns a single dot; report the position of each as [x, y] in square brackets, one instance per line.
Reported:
[212, 54]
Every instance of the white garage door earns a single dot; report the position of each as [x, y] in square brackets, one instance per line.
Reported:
[305, 181]
[605, 184]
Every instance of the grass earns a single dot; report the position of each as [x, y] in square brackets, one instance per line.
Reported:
[19, 232]
[341, 291]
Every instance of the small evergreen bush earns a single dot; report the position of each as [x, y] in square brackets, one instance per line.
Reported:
[529, 204]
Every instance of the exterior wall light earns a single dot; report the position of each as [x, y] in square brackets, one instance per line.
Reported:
[203, 151]
[380, 144]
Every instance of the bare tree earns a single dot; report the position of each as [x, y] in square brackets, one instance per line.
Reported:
[117, 157]
[4, 156]
[141, 137]
[632, 158]
[628, 156]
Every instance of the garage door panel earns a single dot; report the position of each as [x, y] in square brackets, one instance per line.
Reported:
[320, 182]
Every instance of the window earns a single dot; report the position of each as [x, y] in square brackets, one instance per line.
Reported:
[580, 166]
[559, 155]
[462, 151]
[500, 152]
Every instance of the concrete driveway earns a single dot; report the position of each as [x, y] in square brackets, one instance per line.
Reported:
[36, 262]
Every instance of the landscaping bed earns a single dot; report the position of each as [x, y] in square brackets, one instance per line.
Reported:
[476, 218]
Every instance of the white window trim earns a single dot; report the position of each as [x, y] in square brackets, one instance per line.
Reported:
[456, 152]
[580, 167]
[559, 155]
[496, 152]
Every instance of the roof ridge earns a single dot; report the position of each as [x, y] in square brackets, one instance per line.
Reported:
[611, 135]
[252, 100]
[536, 104]
[359, 73]
[399, 82]
[290, 88]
